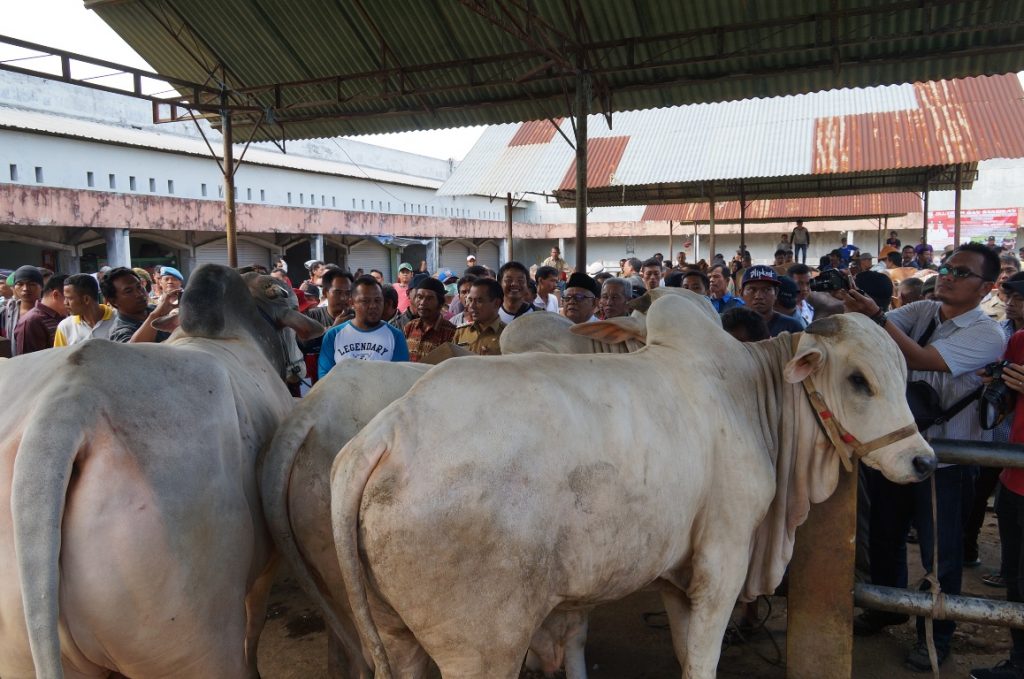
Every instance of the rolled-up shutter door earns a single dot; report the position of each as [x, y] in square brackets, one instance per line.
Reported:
[453, 256]
[217, 253]
[487, 254]
[369, 254]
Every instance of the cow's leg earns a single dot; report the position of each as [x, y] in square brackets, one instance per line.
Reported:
[677, 608]
[405, 654]
[575, 645]
[256, 614]
[718, 575]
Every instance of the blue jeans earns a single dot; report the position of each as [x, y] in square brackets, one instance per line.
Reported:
[800, 253]
[894, 508]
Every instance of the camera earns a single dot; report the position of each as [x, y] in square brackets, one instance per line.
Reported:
[830, 280]
[996, 400]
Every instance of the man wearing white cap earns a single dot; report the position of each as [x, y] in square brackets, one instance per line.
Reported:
[470, 260]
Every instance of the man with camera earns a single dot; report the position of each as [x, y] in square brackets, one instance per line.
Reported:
[944, 342]
[1010, 495]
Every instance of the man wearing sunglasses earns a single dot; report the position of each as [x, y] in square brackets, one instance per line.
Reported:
[944, 341]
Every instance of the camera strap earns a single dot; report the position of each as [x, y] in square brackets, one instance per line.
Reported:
[951, 411]
[923, 341]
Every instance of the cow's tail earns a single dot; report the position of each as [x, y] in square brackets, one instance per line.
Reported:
[275, 478]
[43, 468]
[349, 475]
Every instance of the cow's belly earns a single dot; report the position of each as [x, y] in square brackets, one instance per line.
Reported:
[153, 582]
[591, 536]
[15, 657]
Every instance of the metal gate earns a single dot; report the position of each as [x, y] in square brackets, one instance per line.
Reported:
[370, 254]
[453, 256]
[216, 252]
[487, 254]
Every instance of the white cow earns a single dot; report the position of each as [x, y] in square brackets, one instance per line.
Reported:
[460, 545]
[556, 334]
[131, 532]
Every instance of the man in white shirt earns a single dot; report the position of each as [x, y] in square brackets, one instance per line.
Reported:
[547, 284]
[944, 341]
[365, 337]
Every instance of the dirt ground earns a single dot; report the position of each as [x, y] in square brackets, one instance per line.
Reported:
[629, 639]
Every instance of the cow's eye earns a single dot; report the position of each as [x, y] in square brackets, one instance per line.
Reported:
[860, 382]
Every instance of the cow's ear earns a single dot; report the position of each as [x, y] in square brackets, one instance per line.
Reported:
[304, 326]
[806, 362]
[641, 304]
[613, 331]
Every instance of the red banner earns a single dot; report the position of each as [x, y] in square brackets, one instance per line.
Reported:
[976, 225]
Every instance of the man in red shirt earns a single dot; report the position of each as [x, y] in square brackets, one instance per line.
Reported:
[35, 330]
[1010, 510]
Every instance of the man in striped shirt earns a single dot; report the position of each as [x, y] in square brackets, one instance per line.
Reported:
[944, 341]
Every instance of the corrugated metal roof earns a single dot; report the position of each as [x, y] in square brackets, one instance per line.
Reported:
[787, 209]
[843, 141]
[381, 66]
[16, 119]
[535, 132]
[603, 156]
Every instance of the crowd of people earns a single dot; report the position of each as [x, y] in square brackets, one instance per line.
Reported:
[950, 316]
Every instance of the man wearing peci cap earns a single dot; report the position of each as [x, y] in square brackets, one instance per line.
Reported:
[760, 289]
[28, 286]
[429, 330]
[580, 298]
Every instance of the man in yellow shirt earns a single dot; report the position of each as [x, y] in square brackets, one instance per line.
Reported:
[89, 319]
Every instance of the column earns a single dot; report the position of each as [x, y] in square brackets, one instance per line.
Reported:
[316, 247]
[118, 247]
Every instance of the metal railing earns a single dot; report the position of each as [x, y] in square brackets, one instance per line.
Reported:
[820, 637]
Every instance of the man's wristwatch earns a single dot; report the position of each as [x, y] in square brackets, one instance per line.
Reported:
[879, 318]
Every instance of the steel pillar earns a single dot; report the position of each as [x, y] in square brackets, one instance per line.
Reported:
[582, 109]
[316, 247]
[118, 244]
[508, 227]
[711, 230]
[819, 639]
[924, 224]
[956, 206]
[230, 229]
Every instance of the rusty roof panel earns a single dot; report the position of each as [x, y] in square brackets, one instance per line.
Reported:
[783, 209]
[603, 156]
[535, 132]
[958, 121]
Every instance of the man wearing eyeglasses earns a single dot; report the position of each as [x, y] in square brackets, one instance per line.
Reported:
[944, 341]
[365, 337]
[580, 298]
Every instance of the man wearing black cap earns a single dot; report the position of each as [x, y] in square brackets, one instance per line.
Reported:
[785, 299]
[37, 328]
[429, 330]
[580, 298]
[28, 286]
[760, 291]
